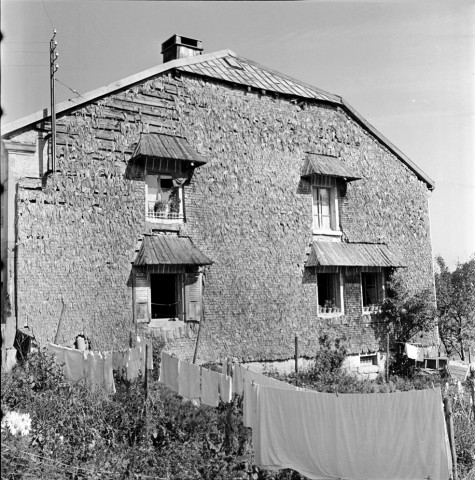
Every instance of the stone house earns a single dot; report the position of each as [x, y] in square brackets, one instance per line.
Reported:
[209, 194]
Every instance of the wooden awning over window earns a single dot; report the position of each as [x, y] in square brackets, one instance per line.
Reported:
[352, 255]
[315, 163]
[169, 250]
[158, 146]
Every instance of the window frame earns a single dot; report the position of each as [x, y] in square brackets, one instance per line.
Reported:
[380, 282]
[330, 184]
[373, 357]
[338, 285]
[181, 195]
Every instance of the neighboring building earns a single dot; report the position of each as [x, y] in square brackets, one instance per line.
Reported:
[212, 189]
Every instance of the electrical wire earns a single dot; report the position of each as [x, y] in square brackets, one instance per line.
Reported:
[24, 51]
[70, 88]
[47, 14]
[10, 65]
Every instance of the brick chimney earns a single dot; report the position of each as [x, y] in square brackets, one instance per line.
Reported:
[180, 47]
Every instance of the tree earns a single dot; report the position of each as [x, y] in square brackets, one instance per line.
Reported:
[456, 305]
[408, 314]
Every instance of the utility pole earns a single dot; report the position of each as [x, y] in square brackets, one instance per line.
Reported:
[52, 69]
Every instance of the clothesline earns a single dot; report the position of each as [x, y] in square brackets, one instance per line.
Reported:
[95, 368]
[324, 435]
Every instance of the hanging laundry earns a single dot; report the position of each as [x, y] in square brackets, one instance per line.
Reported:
[411, 351]
[189, 380]
[250, 377]
[210, 387]
[169, 369]
[99, 370]
[94, 369]
[226, 388]
[74, 367]
[119, 359]
[238, 380]
[359, 436]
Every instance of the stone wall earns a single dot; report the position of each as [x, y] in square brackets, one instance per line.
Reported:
[244, 209]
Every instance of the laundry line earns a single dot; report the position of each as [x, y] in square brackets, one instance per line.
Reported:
[326, 435]
[95, 369]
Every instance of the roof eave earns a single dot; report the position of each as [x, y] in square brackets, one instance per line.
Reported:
[93, 95]
[404, 158]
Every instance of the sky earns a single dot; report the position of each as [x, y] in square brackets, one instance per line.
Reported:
[408, 67]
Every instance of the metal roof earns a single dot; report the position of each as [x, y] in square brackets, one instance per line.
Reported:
[224, 65]
[158, 145]
[169, 250]
[326, 165]
[245, 72]
[352, 255]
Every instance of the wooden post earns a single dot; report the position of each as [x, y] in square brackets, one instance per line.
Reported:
[387, 358]
[146, 372]
[60, 323]
[296, 354]
[450, 428]
[195, 354]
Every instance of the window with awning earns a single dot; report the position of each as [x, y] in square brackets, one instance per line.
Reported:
[168, 279]
[165, 163]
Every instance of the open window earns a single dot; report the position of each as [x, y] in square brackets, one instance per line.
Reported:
[164, 198]
[329, 293]
[168, 278]
[168, 296]
[372, 289]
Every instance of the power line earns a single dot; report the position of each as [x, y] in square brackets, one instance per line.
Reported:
[9, 43]
[68, 87]
[24, 51]
[10, 65]
[47, 14]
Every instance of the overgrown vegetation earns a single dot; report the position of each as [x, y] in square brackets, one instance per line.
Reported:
[77, 434]
[456, 306]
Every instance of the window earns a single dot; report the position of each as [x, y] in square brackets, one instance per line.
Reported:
[321, 208]
[369, 359]
[164, 200]
[325, 206]
[167, 296]
[372, 291]
[330, 293]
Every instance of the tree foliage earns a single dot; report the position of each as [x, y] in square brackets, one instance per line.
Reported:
[456, 305]
[409, 313]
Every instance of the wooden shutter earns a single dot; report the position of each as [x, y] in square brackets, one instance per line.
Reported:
[193, 297]
[141, 298]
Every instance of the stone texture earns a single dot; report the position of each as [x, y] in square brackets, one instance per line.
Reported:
[247, 209]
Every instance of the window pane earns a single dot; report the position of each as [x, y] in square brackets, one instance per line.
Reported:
[152, 187]
[321, 208]
[370, 284]
[328, 290]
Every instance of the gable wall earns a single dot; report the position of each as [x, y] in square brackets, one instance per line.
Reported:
[245, 210]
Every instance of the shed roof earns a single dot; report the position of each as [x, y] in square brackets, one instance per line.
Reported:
[326, 165]
[352, 255]
[226, 66]
[169, 250]
[158, 145]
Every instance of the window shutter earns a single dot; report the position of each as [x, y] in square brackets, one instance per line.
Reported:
[141, 298]
[193, 297]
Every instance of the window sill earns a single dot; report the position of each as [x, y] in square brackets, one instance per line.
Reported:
[331, 314]
[166, 221]
[330, 233]
[373, 312]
